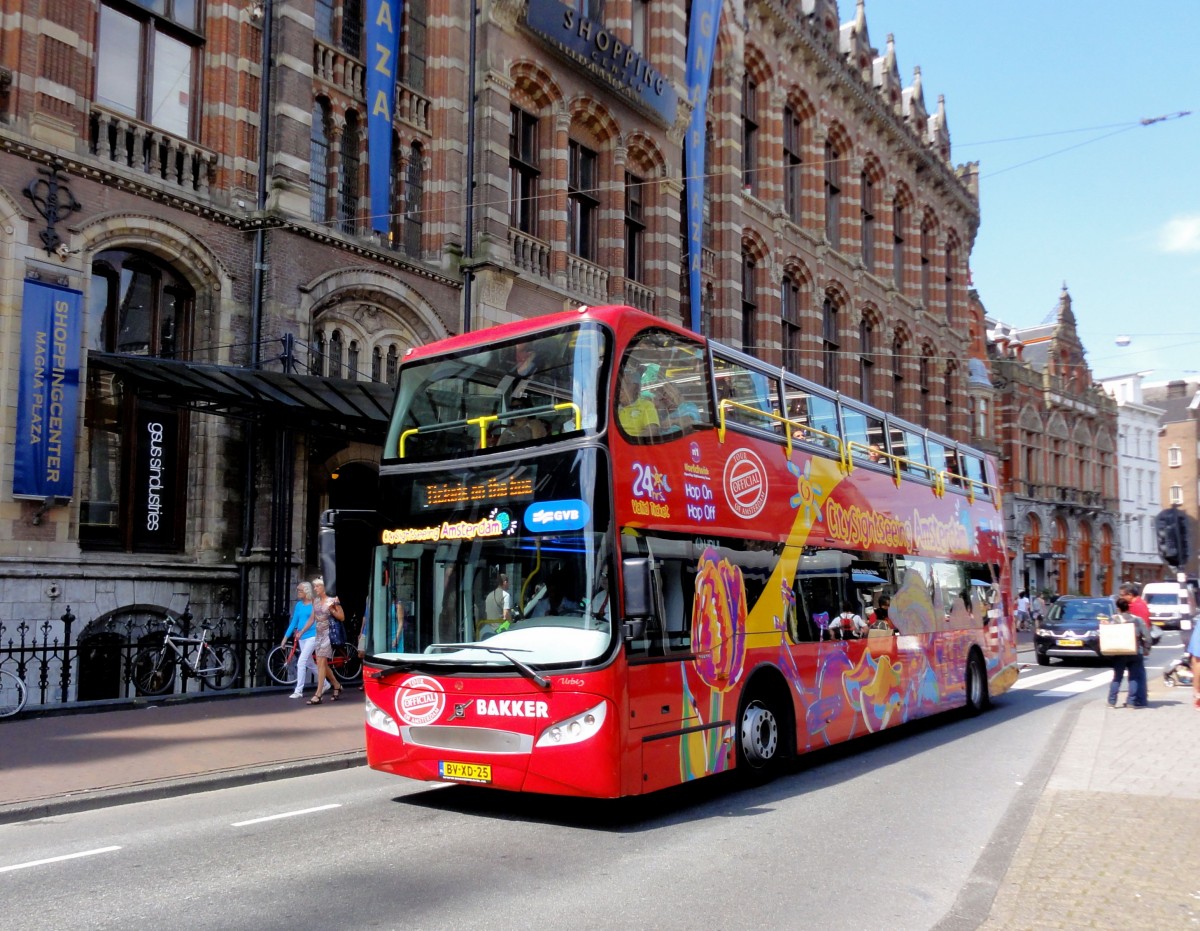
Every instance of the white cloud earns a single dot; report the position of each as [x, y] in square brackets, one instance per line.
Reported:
[1180, 234]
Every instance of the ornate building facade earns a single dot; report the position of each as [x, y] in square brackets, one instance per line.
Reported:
[192, 183]
[1058, 437]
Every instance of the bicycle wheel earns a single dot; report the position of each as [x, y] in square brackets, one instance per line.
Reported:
[153, 671]
[220, 666]
[345, 663]
[12, 694]
[281, 666]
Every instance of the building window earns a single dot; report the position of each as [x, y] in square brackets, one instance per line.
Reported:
[793, 179]
[1175, 457]
[749, 135]
[347, 205]
[376, 364]
[640, 26]
[323, 20]
[589, 9]
[318, 151]
[829, 343]
[414, 194]
[866, 361]
[582, 203]
[926, 268]
[790, 337]
[352, 353]
[833, 193]
[951, 262]
[393, 364]
[133, 495]
[923, 383]
[351, 37]
[1176, 494]
[749, 306]
[522, 170]
[335, 354]
[413, 66]
[146, 65]
[898, 377]
[868, 222]
[898, 221]
[635, 229]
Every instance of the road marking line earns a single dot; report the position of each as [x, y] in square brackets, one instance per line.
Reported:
[1082, 685]
[66, 856]
[1031, 681]
[286, 814]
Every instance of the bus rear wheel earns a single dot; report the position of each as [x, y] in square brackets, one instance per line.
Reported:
[758, 736]
[976, 685]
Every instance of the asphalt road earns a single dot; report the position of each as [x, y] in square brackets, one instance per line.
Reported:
[894, 832]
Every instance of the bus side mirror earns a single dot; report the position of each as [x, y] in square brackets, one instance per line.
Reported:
[638, 598]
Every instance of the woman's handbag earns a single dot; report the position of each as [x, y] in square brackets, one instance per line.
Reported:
[337, 633]
[1118, 639]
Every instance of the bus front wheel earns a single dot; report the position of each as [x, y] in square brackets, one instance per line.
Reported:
[758, 735]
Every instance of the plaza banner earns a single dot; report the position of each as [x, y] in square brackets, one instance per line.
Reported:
[383, 63]
[702, 43]
[47, 391]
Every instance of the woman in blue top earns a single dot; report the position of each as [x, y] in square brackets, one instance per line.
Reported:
[303, 627]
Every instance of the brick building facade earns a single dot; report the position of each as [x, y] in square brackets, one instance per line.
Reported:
[208, 204]
[1058, 438]
[1179, 458]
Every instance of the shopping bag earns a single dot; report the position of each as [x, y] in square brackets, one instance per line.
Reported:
[1118, 639]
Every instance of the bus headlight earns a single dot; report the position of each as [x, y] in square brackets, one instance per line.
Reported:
[582, 726]
[381, 720]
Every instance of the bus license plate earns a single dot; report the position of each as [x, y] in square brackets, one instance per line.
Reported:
[1070, 643]
[465, 772]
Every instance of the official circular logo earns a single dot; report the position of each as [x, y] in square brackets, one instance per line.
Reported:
[420, 700]
[745, 484]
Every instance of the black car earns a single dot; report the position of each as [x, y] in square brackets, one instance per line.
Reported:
[1071, 627]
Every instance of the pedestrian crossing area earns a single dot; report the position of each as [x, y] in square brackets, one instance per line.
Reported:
[1064, 681]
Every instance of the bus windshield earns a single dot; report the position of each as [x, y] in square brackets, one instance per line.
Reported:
[487, 565]
[520, 393]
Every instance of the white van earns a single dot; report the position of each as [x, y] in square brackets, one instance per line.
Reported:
[1172, 606]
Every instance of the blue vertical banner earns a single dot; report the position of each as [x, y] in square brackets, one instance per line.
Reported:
[702, 44]
[47, 391]
[383, 64]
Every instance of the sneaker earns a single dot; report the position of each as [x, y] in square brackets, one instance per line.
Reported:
[296, 695]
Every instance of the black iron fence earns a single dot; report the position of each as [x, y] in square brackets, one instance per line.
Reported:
[96, 665]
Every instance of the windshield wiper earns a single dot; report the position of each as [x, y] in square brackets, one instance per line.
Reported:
[527, 672]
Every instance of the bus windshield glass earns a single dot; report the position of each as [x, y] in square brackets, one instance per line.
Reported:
[520, 393]
[484, 566]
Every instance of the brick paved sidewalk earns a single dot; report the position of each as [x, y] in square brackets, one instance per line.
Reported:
[1115, 837]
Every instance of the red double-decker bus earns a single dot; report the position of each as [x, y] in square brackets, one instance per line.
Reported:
[614, 556]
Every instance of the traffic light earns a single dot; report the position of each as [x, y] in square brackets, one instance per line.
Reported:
[1171, 526]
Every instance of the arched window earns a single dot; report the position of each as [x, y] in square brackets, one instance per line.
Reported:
[830, 345]
[376, 364]
[898, 376]
[335, 354]
[318, 176]
[790, 337]
[393, 364]
[133, 496]
[749, 306]
[866, 361]
[352, 360]
[348, 181]
[749, 134]
[414, 194]
[833, 193]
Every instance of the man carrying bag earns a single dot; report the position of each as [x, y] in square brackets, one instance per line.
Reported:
[1126, 638]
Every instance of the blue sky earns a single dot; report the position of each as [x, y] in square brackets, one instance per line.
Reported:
[1048, 97]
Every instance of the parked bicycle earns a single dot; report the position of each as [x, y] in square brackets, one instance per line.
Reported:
[13, 694]
[281, 663]
[214, 664]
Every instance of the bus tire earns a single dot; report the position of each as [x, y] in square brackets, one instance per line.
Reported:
[759, 740]
[975, 680]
